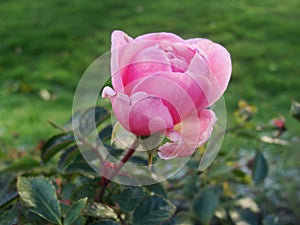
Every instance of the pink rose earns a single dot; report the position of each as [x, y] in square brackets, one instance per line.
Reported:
[165, 84]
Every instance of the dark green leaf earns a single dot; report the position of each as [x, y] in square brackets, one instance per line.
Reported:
[91, 118]
[104, 222]
[105, 134]
[219, 170]
[5, 181]
[260, 168]
[7, 197]
[157, 189]
[239, 173]
[205, 205]
[271, 220]
[67, 190]
[80, 221]
[87, 189]
[130, 197]
[181, 218]
[243, 216]
[68, 155]
[138, 161]
[152, 211]
[10, 217]
[79, 165]
[39, 195]
[55, 144]
[23, 164]
[74, 211]
[100, 210]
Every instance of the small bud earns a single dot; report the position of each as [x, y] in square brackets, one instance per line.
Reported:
[295, 110]
[279, 124]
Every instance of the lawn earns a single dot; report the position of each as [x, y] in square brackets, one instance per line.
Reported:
[45, 47]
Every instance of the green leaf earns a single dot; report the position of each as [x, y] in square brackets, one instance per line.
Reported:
[130, 197]
[88, 188]
[106, 133]
[260, 168]
[24, 163]
[100, 210]
[153, 210]
[157, 189]
[104, 222]
[243, 216]
[74, 211]
[55, 144]
[205, 205]
[80, 221]
[39, 195]
[91, 118]
[271, 220]
[79, 165]
[68, 155]
[10, 217]
[181, 218]
[219, 170]
[7, 197]
[5, 181]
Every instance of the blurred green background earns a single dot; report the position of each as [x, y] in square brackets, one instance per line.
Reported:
[45, 47]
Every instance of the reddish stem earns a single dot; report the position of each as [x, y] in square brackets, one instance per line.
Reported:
[106, 180]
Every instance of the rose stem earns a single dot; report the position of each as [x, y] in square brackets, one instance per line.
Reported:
[105, 181]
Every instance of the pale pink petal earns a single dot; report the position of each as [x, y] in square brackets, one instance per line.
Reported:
[121, 104]
[192, 133]
[118, 39]
[108, 92]
[173, 148]
[149, 115]
[200, 72]
[162, 36]
[142, 114]
[123, 50]
[218, 58]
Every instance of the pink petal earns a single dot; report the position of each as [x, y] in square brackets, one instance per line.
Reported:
[119, 38]
[123, 50]
[148, 61]
[193, 133]
[162, 36]
[142, 114]
[200, 72]
[180, 92]
[218, 58]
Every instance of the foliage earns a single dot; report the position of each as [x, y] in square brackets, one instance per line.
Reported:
[65, 190]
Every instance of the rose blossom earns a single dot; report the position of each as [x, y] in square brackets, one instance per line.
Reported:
[162, 83]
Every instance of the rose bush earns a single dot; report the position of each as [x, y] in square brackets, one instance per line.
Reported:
[162, 83]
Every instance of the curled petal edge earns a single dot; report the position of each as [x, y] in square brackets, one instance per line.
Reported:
[179, 145]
